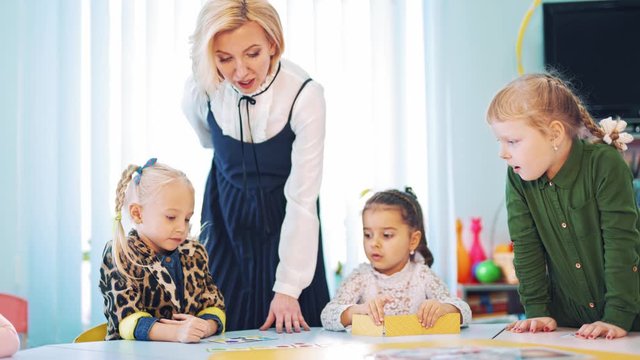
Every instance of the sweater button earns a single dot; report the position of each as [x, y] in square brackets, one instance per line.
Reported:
[564, 225]
[578, 265]
[634, 268]
[592, 305]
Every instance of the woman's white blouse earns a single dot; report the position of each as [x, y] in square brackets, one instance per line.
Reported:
[408, 288]
[299, 234]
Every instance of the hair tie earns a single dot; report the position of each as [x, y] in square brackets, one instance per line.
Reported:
[409, 190]
[612, 127]
[118, 216]
[149, 163]
[364, 192]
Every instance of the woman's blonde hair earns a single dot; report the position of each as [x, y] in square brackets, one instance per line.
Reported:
[540, 99]
[217, 16]
[138, 184]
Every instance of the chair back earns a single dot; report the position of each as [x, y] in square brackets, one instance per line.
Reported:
[96, 333]
[16, 310]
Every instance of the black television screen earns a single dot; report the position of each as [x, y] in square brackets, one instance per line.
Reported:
[596, 45]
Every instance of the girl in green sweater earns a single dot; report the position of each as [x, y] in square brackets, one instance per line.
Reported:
[572, 213]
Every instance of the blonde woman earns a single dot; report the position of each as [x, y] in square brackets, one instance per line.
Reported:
[264, 118]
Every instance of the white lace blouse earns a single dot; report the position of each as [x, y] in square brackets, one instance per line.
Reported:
[409, 288]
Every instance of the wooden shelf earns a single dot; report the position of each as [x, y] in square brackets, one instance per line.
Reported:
[494, 299]
[490, 287]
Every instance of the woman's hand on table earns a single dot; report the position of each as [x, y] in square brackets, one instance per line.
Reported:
[285, 311]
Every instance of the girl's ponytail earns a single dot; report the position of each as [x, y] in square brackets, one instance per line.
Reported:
[422, 248]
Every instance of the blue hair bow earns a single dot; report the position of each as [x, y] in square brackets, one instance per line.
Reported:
[149, 162]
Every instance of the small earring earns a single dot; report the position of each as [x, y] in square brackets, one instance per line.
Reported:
[555, 147]
[412, 252]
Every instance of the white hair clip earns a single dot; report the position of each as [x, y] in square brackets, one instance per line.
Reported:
[610, 127]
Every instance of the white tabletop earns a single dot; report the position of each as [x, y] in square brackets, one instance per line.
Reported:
[564, 337]
[163, 350]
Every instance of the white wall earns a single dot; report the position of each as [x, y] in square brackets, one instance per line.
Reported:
[473, 56]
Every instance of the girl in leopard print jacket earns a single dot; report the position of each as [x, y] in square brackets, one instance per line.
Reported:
[155, 281]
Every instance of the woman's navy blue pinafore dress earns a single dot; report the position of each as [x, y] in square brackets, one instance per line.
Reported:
[242, 214]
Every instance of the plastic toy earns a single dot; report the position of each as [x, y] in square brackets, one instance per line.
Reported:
[477, 254]
[503, 257]
[464, 262]
[487, 272]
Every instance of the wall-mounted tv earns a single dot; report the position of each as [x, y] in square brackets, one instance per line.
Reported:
[596, 45]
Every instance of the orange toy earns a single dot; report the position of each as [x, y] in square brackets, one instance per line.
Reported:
[464, 263]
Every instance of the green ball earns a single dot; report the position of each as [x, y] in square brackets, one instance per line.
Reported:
[487, 272]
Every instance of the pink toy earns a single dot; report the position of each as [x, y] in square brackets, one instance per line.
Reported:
[477, 254]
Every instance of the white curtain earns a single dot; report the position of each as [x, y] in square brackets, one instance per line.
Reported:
[440, 205]
[139, 61]
[369, 55]
[41, 124]
[92, 86]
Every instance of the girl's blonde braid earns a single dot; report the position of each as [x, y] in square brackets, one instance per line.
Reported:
[119, 238]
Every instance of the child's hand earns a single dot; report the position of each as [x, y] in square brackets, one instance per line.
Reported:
[533, 325]
[431, 310]
[188, 328]
[373, 308]
[600, 328]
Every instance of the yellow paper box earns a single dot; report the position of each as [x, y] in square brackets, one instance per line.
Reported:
[364, 325]
[402, 325]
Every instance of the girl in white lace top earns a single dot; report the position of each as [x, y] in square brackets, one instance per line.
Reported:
[396, 282]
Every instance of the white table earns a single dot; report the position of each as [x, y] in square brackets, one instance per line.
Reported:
[163, 350]
[563, 337]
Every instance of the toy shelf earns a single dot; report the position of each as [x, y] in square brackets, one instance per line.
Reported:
[492, 300]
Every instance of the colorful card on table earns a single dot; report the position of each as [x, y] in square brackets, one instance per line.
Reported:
[403, 325]
[242, 339]
[475, 353]
[268, 347]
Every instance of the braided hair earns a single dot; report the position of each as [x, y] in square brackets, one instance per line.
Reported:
[407, 202]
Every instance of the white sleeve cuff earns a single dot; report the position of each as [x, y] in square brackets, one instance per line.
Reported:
[287, 289]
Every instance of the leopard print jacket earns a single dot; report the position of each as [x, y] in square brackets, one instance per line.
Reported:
[153, 290]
